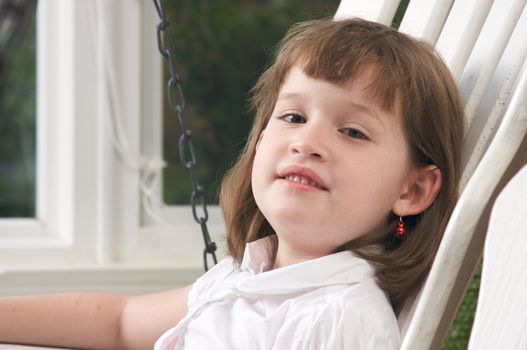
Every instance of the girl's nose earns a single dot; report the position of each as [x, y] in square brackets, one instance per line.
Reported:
[309, 146]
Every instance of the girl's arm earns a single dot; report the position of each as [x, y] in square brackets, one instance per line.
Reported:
[146, 318]
[91, 320]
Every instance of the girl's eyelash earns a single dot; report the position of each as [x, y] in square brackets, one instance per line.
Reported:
[298, 119]
[354, 133]
[293, 118]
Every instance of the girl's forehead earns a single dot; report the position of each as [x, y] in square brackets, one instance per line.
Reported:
[366, 75]
[365, 80]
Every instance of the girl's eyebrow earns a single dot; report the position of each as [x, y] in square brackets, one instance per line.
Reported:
[288, 95]
[367, 109]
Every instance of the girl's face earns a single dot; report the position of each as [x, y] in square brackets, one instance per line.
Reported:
[330, 165]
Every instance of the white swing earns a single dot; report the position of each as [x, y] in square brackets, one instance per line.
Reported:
[483, 43]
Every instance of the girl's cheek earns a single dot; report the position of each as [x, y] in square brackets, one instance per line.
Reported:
[259, 140]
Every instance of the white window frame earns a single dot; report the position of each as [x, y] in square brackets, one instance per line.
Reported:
[90, 231]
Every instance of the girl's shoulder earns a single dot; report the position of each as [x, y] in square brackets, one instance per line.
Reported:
[212, 283]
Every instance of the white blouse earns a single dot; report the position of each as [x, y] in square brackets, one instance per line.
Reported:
[332, 302]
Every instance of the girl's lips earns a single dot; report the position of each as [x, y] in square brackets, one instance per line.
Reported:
[303, 175]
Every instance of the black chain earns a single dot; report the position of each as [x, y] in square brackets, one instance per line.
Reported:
[174, 89]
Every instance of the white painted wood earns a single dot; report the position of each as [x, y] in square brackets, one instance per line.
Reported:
[64, 126]
[17, 229]
[102, 27]
[89, 211]
[139, 279]
[501, 313]
[483, 45]
[490, 76]
[488, 50]
[425, 19]
[381, 11]
[66, 163]
[153, 82]
[493, 73]
[55, 126]
[460, 230]
[461, 31]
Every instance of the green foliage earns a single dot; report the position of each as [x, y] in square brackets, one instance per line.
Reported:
[399, 14]
[460, 331]
[17, 125]
[221, 48]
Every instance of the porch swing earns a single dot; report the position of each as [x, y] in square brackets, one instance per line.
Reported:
[490, 67]
[464, 32]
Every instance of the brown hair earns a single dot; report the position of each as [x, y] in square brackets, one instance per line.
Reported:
[411, 81]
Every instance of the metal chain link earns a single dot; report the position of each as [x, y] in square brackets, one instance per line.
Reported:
[176, 102]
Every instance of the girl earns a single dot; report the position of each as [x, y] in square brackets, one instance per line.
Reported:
[334, 210]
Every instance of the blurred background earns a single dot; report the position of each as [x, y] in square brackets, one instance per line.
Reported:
[17, 108]
[221, 49]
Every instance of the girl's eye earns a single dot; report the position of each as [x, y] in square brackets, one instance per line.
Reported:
[354, 133]
[293, 118]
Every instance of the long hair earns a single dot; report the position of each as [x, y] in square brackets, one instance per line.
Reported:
[410, 80]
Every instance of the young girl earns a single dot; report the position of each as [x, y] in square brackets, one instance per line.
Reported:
[334, 210]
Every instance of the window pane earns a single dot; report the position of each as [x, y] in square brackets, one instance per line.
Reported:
[17, 108]
[221, 47]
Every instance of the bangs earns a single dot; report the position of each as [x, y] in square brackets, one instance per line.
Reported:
[382, 87]
[327, 54]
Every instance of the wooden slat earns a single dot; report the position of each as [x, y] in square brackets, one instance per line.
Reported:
[381, 11]
[494, 82]
[424, 329]
[471, 35]
[425, 19]
[488, 50]
[461, 31]
[501, 314]
[490, 76]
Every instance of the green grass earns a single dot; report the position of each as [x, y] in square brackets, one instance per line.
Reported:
[460, 332]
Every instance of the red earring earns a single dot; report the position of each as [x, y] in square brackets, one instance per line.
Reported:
[400, 230]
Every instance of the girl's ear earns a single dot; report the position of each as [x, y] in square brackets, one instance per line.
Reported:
[423, 187]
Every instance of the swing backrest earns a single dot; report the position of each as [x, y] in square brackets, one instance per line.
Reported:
[501, 315]
[483, 42]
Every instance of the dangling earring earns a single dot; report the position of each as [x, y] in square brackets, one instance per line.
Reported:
[400, 230]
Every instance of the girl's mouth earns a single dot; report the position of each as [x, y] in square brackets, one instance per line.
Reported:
[304, 180]
[302, 175]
